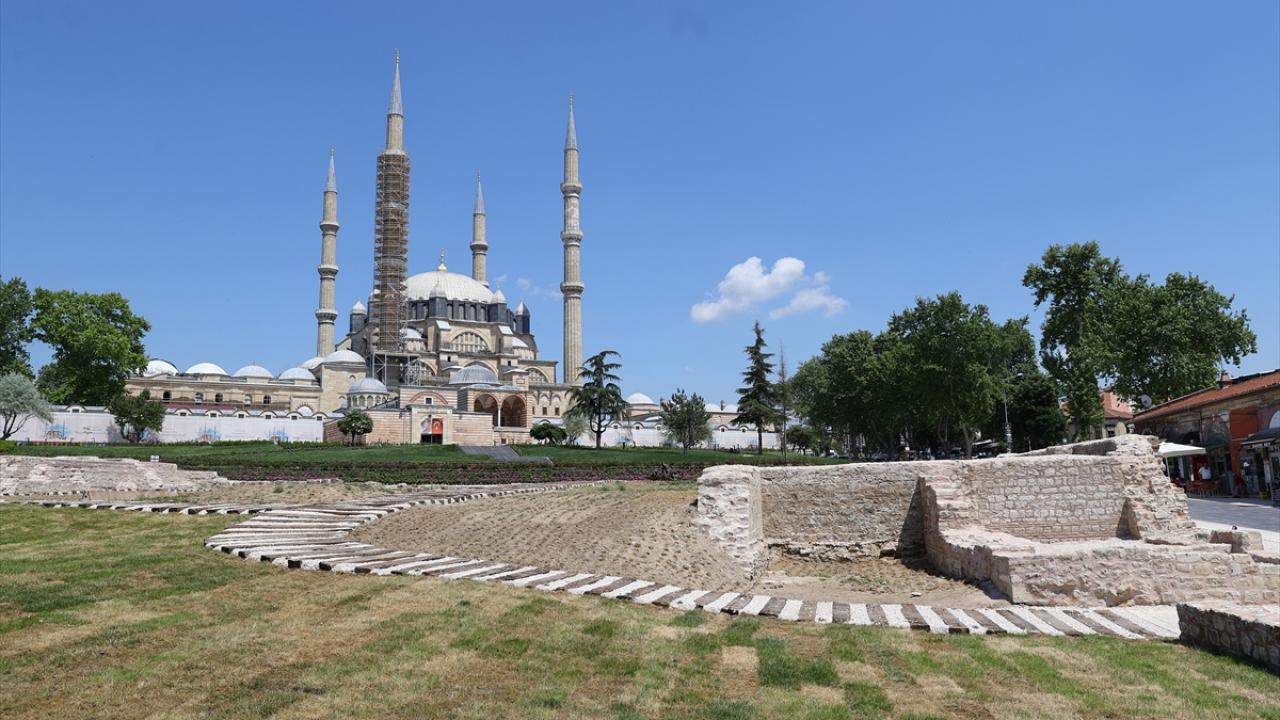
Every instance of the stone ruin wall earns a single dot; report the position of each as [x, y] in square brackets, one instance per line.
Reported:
[1052, 499]
[1252, 633]
[34, 475]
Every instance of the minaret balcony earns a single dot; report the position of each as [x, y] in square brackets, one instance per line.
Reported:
[571, 188]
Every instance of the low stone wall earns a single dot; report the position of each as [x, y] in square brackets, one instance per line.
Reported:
[1252, 633]
[30, 475]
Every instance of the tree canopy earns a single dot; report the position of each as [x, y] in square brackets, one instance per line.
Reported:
[758, 399]
[685, 420]
[1158, 340]
[135, 415]
[19, 402]
[15, 327]
[355, 423]
[550, 434]
[598, 400]
[96, 341]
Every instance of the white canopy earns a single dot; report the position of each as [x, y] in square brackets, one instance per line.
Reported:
[1172, 450]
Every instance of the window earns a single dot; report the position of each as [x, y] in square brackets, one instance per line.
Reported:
[544, 409]
[199, 397]
[248, 399]
[557, 411]
[167, 395]
[469, 342]
[266, 399]
[217, 397]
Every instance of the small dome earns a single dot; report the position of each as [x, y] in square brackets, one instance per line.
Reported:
[639, 399]
[342, 356]
[474, 375]
[498, 297]
[358, 309]
[521, 309]
[253, 371]
[367, 386]
[297, 373]
[312, 364]
[205, 368]
[159, 367]
[410, 334]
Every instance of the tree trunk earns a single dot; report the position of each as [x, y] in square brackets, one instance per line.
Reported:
[760, 440]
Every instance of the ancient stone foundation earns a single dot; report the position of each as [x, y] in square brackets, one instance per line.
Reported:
[1252, 633]
[1074, 525]
[28, 475]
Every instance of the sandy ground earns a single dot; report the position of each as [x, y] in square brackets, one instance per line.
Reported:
[244, 492]
[645, 530]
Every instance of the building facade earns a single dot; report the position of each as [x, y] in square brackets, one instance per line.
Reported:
[1236, 421]
[437, 356]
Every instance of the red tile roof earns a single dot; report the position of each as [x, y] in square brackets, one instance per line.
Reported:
[1240, 386]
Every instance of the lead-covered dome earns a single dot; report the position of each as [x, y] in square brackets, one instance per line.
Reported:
[639, 399]
[156, 366]
[367, 386]
[313, 363]
[297, 373]
[253, 371]
[453, 285]
[474, 375]
[205, 368]
[342, 356]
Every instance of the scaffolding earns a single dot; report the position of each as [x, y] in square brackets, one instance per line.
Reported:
[390, 252]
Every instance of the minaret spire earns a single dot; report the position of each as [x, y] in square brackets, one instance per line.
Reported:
[571, 236]
[479, 243]
[390, 234]
[327, 313]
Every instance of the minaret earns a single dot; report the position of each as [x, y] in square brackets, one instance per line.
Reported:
[571, 235]
[391, 229]
[479, 245]
[327, 313]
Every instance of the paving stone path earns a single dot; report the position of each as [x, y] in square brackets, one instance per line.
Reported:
[317, 537]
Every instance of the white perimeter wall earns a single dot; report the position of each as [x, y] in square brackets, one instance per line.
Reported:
[651, 437]
[100, 427]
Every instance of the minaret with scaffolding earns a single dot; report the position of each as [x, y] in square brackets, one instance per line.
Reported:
[391, 231]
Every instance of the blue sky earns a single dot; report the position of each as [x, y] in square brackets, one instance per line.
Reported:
[176, 152]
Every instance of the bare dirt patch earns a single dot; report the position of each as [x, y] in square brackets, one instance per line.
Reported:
[641, 530]
[645, 530]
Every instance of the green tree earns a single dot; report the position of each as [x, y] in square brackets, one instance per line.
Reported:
[96, 341]
[1162, 341]
[1074, 280]
[575, 426]
[136, 414]
[548, 433]
[355, 423]
[19, 402]
[1034, 412]
[758, 400]
[952, 355]
[598, 400]
[685, 420]
[800, 437]
[15, 327]
[1166, 341]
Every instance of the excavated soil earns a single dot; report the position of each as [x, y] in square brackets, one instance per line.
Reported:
[645, 530]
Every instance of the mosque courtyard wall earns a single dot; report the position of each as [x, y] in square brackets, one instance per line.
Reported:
[95, 425]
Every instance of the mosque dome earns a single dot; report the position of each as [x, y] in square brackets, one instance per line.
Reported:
[367, 386]
[253, 371]
[453, 285]
[639, 399]
[205, 368]
[297, 373]
[312, 364]
[156, 366]
[342, 356]
[474, 375]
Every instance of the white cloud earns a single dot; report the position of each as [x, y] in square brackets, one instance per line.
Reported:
[747, 284]
[807, 299]
[533, 290]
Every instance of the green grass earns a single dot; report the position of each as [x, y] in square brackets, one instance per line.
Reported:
[126, 615]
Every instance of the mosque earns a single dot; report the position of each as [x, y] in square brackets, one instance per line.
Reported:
[435, 357]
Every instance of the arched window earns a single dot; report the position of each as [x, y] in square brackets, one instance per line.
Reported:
[248, 399]
[217, 397]
[536, 375]
[199, 397]
[167, 395]
[469, 342]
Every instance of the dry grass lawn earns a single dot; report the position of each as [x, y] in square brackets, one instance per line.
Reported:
[124, 615]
